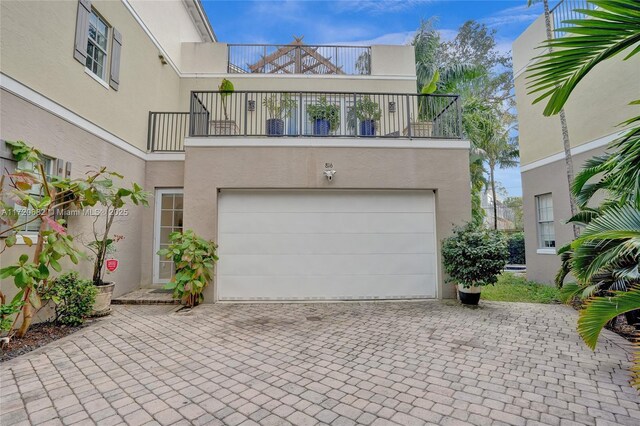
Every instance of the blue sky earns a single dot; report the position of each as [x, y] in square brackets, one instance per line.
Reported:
[367, 22]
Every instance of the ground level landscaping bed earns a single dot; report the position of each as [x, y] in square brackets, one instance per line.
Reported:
[514, 288]
[38, 335]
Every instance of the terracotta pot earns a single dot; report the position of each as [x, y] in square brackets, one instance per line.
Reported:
[469, 295]
[102, 304]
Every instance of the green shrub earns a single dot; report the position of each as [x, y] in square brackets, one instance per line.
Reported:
[194, 258]
[7, 312]
[474, 256]
[73, 297]
[515, 242]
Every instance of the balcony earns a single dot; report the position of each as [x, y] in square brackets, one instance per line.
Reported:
[306, 114]
[298, 58]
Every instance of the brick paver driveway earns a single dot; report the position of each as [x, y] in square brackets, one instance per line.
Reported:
[369, 363]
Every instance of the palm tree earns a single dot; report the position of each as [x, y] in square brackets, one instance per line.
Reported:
[568, 159]
[607, 254]
[489, 134]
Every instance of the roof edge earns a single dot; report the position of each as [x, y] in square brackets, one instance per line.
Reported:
[200, 18]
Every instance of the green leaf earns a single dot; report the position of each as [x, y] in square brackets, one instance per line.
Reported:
[55, 265]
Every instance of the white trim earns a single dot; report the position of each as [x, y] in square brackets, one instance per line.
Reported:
[96, 78]
[594, 144]
[329, 142]
[157, 207]
[9, 84]
[546, 251]
[165, 156]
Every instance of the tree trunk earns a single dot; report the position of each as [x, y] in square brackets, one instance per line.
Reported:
[565, 131]
[493, 194]
[27, 312]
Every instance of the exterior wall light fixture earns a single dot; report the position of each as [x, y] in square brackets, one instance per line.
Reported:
[251, 105]
[392, 107]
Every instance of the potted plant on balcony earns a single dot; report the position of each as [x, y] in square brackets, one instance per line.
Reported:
[368, 113]
[226, 126]
[325, 116]
[473, 257]
[279, 107]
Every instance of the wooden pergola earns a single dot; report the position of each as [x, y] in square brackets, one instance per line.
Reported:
[296, 58]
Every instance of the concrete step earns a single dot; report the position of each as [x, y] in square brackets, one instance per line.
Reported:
[146, 296]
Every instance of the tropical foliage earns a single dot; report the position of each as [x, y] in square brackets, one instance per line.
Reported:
[194, 259]
[471, 66]
[73, 298]
[605, 257]
[474, 256]
[53, 244]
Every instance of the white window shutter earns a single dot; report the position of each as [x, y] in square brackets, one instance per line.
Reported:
[82, 31]
[116, 47]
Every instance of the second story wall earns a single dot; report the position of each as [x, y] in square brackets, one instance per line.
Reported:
[593, 111]
[37, 48]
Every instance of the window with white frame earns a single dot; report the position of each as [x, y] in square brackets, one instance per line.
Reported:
[97, 46]
[546, 230]
[26, 217]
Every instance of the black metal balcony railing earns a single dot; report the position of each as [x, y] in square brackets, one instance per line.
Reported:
[345, 114]
[299, 59]
[167, 131]
[299, 114]
[565, 10]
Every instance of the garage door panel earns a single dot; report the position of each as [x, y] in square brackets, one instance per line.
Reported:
[283, 244]
[326, 244]
[261, 201]
[330, 265]
[323, 287]
[333, 223]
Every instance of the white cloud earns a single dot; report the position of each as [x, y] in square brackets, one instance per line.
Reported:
[378, 6]
[513, 15]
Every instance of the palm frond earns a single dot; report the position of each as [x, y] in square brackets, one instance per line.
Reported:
[600, 310]
[604, 33]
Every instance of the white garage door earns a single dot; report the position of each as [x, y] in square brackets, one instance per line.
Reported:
[326, 244]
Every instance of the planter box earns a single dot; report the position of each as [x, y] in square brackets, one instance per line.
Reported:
[223, 127]
[420, 129]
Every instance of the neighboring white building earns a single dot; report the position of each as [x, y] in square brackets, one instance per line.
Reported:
[595, 108]
[133, 85]
[506, 216]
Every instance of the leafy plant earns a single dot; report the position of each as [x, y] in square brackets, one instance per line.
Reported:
[194, 259]
[605, 257]
[113, 198]
[73, 298]
[7, 313]
[280, 106]
[515, 243]
[53, 243]
[323, 110]
[474, 256]
[367, 109]
[226, 89]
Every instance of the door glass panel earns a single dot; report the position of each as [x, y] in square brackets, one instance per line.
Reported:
[170, 221]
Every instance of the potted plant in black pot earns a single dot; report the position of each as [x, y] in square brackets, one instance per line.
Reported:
[113, 199]
[474, 257]
[368, 113]
[325, 116]
[279, 107]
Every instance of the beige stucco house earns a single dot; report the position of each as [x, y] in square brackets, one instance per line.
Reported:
[133, 85]
[593, 112]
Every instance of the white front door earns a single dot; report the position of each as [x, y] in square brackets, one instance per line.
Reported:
[168, 219]
[326, 244]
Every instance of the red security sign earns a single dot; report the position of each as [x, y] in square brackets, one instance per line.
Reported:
[112, 264]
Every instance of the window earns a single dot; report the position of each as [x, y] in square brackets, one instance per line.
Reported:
[168, 218]
[546, 231]
[97, 46]
[25, 215]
